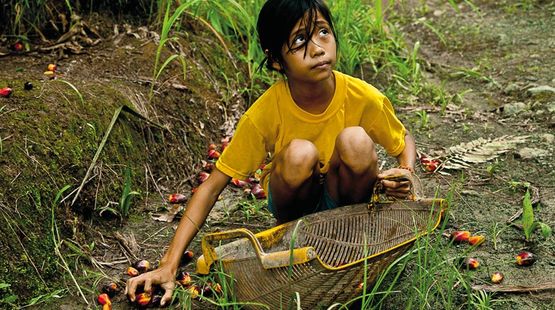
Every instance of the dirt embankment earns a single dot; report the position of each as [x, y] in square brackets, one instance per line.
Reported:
[51, 133]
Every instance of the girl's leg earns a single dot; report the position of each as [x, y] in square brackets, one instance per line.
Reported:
[353, 167]
[294, 180]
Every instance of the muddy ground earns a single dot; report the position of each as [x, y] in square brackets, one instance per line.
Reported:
[495, 62]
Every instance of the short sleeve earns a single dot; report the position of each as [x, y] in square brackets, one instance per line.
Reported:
[245, 152]
[387, 130]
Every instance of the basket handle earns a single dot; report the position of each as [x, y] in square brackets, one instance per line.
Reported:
[415, 186]
[268, 260]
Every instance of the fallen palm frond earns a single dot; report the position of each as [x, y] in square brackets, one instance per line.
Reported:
[481, 150]
[105, 139]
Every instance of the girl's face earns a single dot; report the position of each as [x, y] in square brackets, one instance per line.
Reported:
[314, 62]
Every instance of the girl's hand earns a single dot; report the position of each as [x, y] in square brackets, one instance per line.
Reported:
[163, 276]
[395, 188]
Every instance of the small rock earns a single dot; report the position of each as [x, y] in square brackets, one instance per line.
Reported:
[531, 153]
[512, 88]
[513, 108]
[549, 138]
[541, 90]
[551, 107]
[438, 13]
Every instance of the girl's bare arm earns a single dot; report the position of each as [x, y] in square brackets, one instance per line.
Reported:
[193, 218]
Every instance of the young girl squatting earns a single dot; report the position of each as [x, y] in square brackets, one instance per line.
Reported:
[320, 126]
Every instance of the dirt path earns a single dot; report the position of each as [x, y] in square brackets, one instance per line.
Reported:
[499, 59]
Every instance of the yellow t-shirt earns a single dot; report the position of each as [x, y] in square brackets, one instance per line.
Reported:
[275, 119]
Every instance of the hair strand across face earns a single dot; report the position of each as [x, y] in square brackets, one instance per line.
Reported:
[277, 19]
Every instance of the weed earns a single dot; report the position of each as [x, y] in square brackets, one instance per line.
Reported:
[7, 297]
[57, 240]
[496, 231]
[124, 206]
[481, 300]
[72, 87]
[529, 225]
[424, 119]
[46, 297]
[475, 74]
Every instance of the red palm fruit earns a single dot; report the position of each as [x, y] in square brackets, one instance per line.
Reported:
[216, 287]
[212, 146]
[470, 263]
[476, 240]
[258, 191]
[111, 289]
[132, 272]
[211, 288]
[18, 46]
[460, 236]
[143, 300]
[207, 166]
[184, 278]
[176, 198]
[49, 74]
[525, 258]
[194, 291]
[52, 67]
[239, 183]
[497, 277]
[103, 299]
[142, 266]
[359, 287]
[213, 154]
[203, 176]
[430, 165]
[5, 92]
[207, 290]
[187, 257]
[156, 299]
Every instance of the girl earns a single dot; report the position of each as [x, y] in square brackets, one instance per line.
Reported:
[319, 125]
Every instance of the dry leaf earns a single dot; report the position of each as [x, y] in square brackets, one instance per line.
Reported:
[170, 215]
[480, 151]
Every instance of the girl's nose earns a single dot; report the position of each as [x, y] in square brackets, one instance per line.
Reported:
[316, 48]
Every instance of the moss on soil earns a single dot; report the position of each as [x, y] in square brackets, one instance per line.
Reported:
[49, 137]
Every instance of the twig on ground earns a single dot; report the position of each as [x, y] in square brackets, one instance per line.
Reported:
[516, 288]
[129, 244]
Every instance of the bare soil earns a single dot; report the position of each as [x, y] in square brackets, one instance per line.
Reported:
[491, 59]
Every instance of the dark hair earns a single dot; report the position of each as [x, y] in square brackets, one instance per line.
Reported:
[277, 19]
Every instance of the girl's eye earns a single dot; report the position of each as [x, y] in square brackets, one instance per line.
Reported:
[324, 31]
[298, 40]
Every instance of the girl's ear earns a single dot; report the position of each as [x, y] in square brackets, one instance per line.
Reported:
[276, 65]
[273, 63]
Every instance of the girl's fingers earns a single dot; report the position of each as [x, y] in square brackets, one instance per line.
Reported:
[131, 287]
[148, 286]
[168, 292]
[388, 184]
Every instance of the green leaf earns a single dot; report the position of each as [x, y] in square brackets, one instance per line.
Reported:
[527, 216]
[546, 230]
[4, 285]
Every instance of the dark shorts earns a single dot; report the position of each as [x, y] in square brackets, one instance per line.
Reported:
[325, 203]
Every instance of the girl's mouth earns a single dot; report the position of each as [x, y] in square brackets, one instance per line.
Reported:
[322, 65]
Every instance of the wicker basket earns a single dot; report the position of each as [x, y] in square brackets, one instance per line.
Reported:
[326, 262]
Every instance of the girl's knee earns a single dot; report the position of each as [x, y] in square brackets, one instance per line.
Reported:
[355, 148]
[297, 162]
